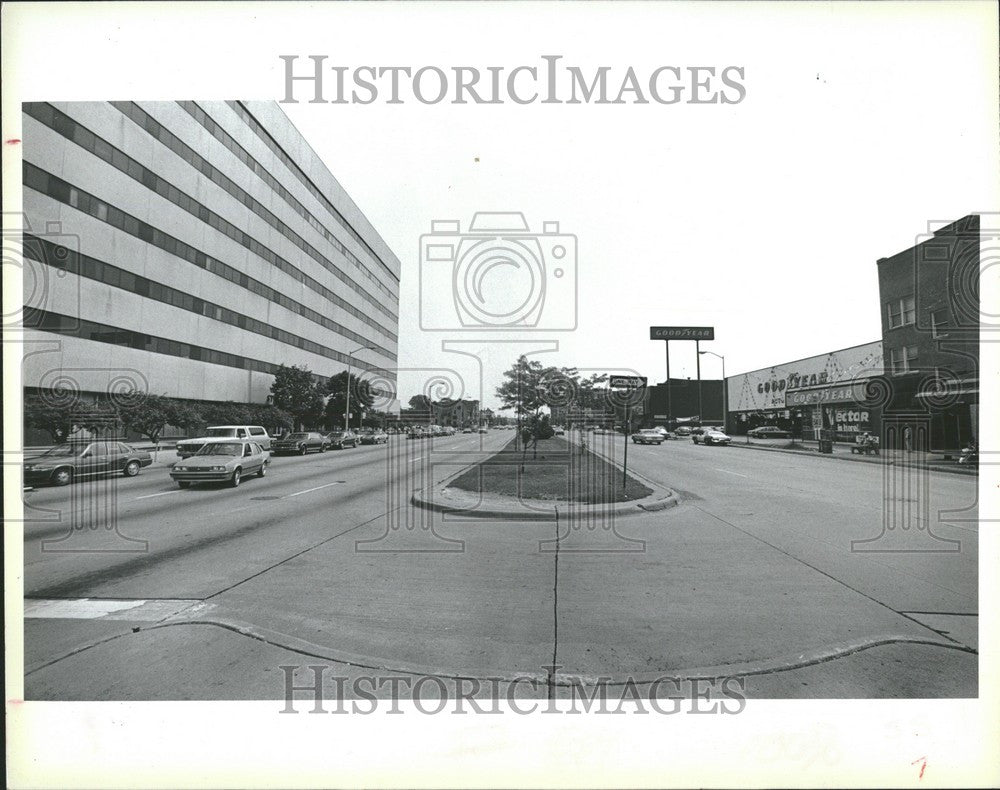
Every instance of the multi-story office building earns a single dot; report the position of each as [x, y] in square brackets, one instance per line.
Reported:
[190, 248]
[929, 298]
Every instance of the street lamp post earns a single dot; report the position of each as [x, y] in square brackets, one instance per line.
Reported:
[725, 391]
[350, 359]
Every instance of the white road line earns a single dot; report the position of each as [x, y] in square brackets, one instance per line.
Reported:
[729, 473]
[309, 490]
[150, 496]
[420, 458]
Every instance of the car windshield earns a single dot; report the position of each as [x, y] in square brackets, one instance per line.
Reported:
[64, 450]
[222, 448]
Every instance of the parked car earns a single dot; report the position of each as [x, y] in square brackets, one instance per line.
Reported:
[683, 430]
[417, 433]
[254, 433]
[709, 436]
[558, 430]
[663, 432]
[484, 429]
[338, 440]
[647, 436]
[62, 464]
[768, 432]
[373, 436]
[224, 461]
[301, 442]
[467, 430]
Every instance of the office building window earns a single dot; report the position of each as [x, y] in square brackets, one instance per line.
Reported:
[903, 359]
[901, 312]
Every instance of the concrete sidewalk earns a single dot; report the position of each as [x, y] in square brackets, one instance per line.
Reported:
[919, 460]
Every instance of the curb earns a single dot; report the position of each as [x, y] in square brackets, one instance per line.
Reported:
[862, 460]
[528, 510]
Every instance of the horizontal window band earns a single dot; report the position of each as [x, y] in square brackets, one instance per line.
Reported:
[68, 326]
[159, 132]
[50, 253]
[252, 164]
[258, 129]
[62, 124]
[64, 192]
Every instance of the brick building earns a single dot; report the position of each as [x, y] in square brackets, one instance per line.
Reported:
[929, 298]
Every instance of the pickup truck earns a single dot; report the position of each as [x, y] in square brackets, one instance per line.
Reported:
[188, 447]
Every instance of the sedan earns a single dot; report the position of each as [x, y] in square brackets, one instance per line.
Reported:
[647, 436]
[768, 432]
[709, 436]
[374, 436]
[222, 462]
[301, 443]
[61, 464]
[338, 440]
[683, 430]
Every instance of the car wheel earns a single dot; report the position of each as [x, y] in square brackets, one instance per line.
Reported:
[183, 484]
[62, 477]
[237, 477]
[302, 449]
[131, 469]
[263, 470]
[322, 448]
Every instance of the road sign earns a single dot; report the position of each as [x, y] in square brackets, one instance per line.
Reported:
[682, 333]
[627, 382]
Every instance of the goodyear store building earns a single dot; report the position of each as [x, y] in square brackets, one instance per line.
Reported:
[838, 391]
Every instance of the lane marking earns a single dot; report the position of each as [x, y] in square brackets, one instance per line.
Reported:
[162, 493]
[728, 472]
[310, 490]
[420, 458]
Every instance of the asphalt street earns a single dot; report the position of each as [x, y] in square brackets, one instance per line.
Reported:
[804, 576]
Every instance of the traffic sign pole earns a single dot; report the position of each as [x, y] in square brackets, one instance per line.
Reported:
[697, 356]
[625, 464]
[666, 345]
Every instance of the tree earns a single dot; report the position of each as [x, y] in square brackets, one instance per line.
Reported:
[182, 414]
[362, 399]
[271, 417]
[421, 403]
[147, 414]
[294, 390]
[57, 417]
[523, 391]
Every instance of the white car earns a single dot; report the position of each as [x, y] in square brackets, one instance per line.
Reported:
[709, 436]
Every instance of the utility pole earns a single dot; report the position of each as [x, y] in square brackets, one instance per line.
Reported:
[697, 344]
[350, 359]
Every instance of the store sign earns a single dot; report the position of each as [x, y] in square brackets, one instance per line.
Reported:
[847, 393]
[766, 389]
[682, 333]
[848, 420]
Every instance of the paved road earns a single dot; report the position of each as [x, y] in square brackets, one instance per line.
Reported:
[753, 574]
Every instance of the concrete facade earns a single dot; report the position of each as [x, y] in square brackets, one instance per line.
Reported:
[207, 244]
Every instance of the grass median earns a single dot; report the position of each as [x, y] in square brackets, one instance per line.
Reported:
[558, 471]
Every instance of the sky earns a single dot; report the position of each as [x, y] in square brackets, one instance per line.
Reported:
[763, 219]
[861, 124]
